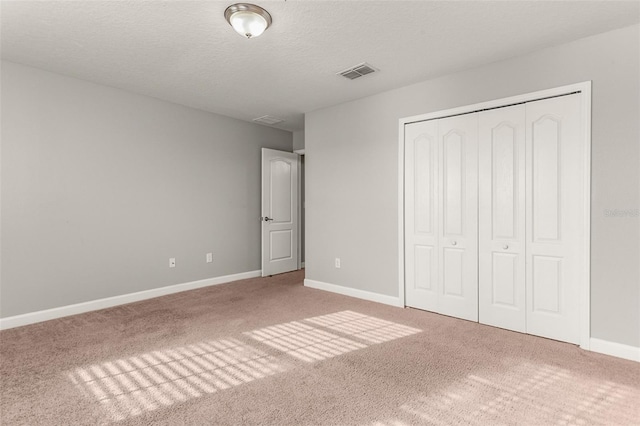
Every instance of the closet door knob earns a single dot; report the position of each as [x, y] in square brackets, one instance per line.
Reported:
[506, 246]
[454, 242]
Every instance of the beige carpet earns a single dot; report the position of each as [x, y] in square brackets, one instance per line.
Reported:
[269, 351]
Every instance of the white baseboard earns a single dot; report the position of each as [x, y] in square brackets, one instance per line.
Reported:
[615, 349]
[94, 305]
[360, 294]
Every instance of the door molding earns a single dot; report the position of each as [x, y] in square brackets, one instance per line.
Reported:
[300, 201]
[585, 134]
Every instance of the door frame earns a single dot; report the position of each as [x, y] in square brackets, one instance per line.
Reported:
[300, 153]
[584, 88]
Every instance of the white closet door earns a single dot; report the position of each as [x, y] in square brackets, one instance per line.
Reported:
[554, 217]
[501, 143]
[421, 220]
[458, 216]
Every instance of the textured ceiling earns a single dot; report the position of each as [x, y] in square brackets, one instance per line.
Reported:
[185, 52]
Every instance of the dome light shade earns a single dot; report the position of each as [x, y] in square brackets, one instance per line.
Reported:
[247, 19]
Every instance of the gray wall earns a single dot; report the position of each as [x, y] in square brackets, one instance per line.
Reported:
[298, 140]
[100, 187]
[352, 170]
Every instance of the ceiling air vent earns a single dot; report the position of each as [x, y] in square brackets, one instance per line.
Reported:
[268, 120]
[357, 71]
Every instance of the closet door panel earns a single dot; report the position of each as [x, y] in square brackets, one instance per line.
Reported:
[421, 201]
[555, 217]
[501, 162]
[458, 220]
[453, 182]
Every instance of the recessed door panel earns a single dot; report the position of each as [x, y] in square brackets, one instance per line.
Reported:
[505, 285]
[501, 162]
[453, 182]
[282, 209]
[452, 272]
[421, 240]
[423, 179]
[458, 216]
[555, 206]
[423, 256]
[280, 245]
[545, 147]
[546, 284]
[504, 180]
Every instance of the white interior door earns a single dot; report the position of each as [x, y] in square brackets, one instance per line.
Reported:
[501, 211]
[458, 216]
[421, 215]
[279, 212]
[555, 217]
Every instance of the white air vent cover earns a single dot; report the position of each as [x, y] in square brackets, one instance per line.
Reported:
[267, 119]
[357, 71]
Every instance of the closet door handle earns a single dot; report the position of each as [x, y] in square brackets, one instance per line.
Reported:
[506, 246]
[454, 243]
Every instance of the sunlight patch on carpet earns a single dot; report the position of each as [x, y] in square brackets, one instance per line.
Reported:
[304, 342]
[131, 386]
[525, 394]
[309, 343]
[367, 328]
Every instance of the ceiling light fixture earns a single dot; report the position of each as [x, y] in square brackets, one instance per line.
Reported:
[247, 19]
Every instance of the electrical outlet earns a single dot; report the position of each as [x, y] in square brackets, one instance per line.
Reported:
[209, 257]
[338, 262]
[172, 262]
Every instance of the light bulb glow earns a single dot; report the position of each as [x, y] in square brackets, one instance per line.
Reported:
[248, 24]
[248, 20]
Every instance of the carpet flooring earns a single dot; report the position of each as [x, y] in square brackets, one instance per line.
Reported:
[270, 351]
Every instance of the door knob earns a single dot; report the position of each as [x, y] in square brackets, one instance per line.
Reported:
[266, 219]
[506, 246]
[454, 243]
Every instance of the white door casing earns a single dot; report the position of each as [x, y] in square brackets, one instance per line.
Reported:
[279, 212]
[458, 216]
[555, 217]
[421, 214]
[501, 211]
